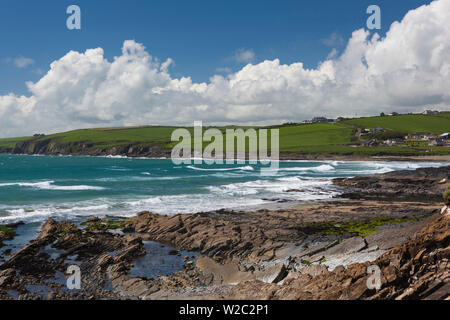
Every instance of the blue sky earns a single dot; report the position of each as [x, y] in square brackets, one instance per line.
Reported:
[200, 36]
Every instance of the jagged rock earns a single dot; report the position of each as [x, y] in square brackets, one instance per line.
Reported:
[424, 183]
[417, 269]
[7, 277]
[213, 273]
[314, 270]
[214, 234]
[273, 274]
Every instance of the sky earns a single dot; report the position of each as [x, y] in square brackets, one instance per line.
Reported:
[172, 62]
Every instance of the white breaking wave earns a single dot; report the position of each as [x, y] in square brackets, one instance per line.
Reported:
[191, 203]
[140, 203]
[115, 157]
[245, 168]
[304, 189]
[37, 214]
[49, 185]
[159, 204]
[348, 168]
[321, 168]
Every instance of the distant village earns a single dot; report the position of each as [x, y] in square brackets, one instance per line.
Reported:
[384, 136]
[442, 140]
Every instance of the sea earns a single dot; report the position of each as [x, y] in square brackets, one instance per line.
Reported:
[35, 188]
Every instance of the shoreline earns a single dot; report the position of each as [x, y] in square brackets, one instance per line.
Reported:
[237, 255]
[308, 158]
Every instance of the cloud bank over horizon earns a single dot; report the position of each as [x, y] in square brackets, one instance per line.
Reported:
[408, 70]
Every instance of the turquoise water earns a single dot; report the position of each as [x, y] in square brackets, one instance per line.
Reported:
[34, 188]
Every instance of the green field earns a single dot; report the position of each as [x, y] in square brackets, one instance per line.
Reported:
[11, 142]
[300, 139]
[105, 138]
[435, 124]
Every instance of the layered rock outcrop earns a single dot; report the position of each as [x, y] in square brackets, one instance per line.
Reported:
[425, 184]
[417, 269]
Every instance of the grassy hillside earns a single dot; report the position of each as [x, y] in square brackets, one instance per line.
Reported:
[302, 139]
[295, 138]
[435, 124]
[11, 142]
[104, 138]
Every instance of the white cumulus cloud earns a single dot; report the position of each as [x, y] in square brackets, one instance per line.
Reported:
[407, 70]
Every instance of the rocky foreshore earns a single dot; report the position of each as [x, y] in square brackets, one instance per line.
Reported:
[425, 184]
[416, 269]
[312, 251]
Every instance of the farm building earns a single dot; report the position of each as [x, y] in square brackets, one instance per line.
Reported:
[392, 142]
[320, 119]
[430, 112]
[441, 141]
[424, 136]
[445, 136]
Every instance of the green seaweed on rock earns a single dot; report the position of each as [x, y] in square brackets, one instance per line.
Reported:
[356, 228]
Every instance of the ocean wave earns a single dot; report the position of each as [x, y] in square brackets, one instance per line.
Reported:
[115, 156]
[49, 185]
[117, 169]
[143, 178]
[379, 167]
[307, 189]
[245, 168]
[321, 168]
[143, 202]
[37, 214]
[192, 203]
